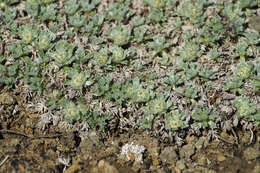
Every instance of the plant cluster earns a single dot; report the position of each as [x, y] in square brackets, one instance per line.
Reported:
[148, 61]
[204, 118]
[243, 72]
[246, 109]
[176, 120]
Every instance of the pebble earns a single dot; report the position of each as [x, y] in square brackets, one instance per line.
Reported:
[221, 157]
[168, 155]
[187, 151]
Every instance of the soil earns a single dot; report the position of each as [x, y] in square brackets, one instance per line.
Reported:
[24, 148]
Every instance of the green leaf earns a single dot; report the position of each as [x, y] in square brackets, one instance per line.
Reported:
[204, 118]
[245, 108]
[176, 120]
[71, 7]
[63, 53]
[120, 35]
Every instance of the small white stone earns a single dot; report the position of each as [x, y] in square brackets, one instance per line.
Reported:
[136, 150]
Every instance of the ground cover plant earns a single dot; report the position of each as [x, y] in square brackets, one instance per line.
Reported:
[170, 67]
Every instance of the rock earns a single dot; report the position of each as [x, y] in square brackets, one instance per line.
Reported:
[133, 152]
[202, 159]
[89, 143]
[187, 151]
[180, 164]
[221, 157]
[168, 155]
[251, 153]
[105, 167]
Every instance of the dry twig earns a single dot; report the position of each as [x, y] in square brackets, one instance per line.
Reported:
[33, 137]
[4, 160]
